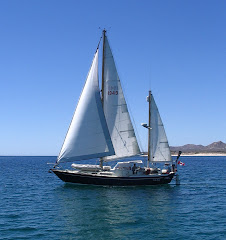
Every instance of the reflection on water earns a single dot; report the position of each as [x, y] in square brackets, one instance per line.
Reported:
[107, 212]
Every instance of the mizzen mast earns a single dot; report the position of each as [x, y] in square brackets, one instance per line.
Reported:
[149, 128]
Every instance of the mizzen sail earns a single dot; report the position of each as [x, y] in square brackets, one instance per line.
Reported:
[159, 146]
[88, 136]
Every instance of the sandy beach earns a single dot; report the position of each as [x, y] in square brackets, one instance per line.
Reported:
[201, 154]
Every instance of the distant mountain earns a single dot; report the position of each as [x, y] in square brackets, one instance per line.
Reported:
[215, 147]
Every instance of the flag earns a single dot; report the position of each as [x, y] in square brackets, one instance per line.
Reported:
[181, 163]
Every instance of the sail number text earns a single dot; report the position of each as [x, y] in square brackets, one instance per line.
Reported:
[112, 90]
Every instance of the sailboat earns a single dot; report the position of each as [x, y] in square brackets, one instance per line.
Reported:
[101, 128]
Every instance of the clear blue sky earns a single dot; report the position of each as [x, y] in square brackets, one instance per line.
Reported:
[176, 48]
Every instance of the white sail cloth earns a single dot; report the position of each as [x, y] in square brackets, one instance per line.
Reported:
[88, 136]
[116, 112]
[159, 146]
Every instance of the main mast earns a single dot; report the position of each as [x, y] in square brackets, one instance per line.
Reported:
[102, 84]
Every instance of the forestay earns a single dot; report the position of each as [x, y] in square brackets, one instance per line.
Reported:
[116, 112]
[160, 151]
[88, 136]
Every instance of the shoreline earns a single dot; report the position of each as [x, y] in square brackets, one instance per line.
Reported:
[197, 155]
[201, 155]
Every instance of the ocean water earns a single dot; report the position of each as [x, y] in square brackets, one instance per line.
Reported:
[35, 204]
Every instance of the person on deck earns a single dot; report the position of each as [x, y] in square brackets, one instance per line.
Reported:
[134, 168]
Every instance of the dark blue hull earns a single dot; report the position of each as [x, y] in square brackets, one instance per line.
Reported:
[71, 177]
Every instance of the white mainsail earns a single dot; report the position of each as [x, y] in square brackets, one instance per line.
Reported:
[116, 112]
[159, 146]
[88, 136]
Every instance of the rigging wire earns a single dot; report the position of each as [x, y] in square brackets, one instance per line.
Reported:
[132, 118]
[99, 43]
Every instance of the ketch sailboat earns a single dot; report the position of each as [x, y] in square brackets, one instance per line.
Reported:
[101, 128]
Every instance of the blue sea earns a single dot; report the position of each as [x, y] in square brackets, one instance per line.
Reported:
[35, 204]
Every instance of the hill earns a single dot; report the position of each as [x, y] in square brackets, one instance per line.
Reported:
[215, 147]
